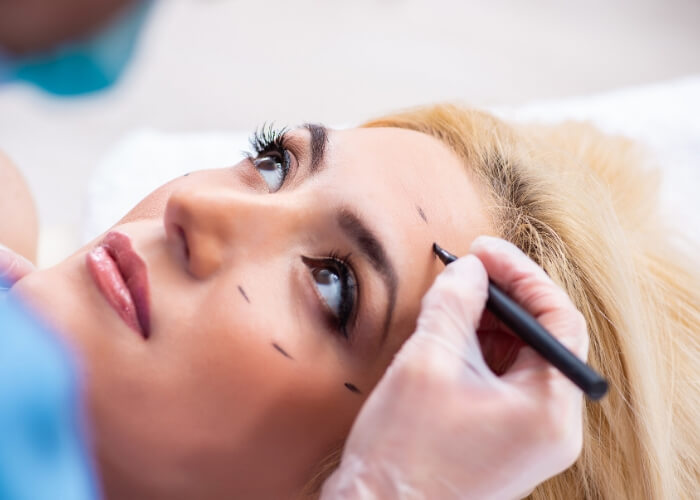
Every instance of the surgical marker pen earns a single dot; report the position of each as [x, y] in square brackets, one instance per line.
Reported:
[536, 336]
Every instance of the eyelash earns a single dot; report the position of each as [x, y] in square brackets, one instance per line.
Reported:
[270, 141]
[268, 137]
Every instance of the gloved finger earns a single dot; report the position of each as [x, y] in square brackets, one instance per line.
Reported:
[445, 339]
[559, 406]
[527, 283]
[12, 266]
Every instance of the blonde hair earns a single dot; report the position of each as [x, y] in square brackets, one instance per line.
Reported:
[584, 207]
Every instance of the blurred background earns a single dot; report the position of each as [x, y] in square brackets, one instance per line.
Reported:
[233, 64]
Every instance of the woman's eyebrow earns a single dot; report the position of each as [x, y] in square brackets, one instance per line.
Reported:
[372, 248]
[319, 139]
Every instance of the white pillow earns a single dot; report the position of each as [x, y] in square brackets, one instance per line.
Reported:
[664, 116]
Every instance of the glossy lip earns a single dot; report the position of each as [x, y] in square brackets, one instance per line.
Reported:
[121, 276]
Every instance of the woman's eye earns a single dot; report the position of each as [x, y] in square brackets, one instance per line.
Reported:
[273, 168]
[270, 155]
[330, 287]
[336, 286]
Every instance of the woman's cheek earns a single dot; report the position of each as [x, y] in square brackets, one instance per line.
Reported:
[153, 205]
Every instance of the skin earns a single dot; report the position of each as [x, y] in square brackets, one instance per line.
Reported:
[208, 406]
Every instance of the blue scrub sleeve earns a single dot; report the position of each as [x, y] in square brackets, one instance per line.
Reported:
[43, 452]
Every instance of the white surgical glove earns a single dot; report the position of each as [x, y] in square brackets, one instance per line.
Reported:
[440, 424]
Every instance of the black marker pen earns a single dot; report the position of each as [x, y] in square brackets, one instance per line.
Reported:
[533, 334]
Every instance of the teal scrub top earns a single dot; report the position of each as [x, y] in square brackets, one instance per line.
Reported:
[81, 66]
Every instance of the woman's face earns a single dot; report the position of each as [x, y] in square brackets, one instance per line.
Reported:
[275, 303]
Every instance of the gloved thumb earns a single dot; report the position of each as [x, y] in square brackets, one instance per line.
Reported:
[450, 313]
[12, 267]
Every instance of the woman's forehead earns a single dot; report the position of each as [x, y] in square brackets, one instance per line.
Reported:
[388, 145]
[410, 182]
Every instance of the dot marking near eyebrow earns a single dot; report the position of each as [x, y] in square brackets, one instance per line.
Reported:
[245, 296]
[188, 173]
[352, 388]
[282, 351]
[422, 214]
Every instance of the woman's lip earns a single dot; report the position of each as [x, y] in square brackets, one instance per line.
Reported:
[122, 277]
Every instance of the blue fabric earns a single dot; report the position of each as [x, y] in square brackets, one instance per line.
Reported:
[82, 66]
[43, 453]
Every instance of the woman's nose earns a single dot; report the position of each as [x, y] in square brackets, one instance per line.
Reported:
[213, 225]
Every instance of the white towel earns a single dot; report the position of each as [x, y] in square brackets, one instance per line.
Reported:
[664, 116]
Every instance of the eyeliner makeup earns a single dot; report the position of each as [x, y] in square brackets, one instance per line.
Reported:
[536, 336]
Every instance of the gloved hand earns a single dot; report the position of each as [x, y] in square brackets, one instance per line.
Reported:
[12, 267]
[441, 424]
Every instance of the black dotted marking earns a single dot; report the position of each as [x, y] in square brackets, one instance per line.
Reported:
[284, 353]
[245, 296]
[422, 214]
[188, 173]
[352, 388]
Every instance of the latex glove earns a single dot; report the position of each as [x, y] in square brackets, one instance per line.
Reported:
[441, 424]
[12, 267]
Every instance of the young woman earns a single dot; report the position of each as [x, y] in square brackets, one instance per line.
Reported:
[233, 323]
